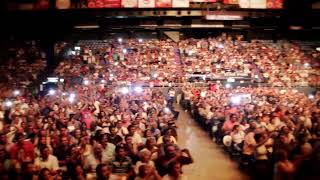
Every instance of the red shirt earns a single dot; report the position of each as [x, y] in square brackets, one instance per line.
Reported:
[27, 148]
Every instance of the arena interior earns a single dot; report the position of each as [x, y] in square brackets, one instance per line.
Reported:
[160, 89]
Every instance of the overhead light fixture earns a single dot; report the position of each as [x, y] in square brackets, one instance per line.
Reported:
[223, 17]
[87, 27]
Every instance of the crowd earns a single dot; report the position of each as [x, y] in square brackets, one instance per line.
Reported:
[105, 119]
[90, 127]
[272, 133]
[24, 64]
[281, 64]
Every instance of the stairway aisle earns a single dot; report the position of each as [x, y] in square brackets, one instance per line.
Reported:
[210, 162]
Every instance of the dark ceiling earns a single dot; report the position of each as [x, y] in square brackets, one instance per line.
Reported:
[296, 21]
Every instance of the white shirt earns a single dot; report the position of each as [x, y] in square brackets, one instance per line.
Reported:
[51, 163]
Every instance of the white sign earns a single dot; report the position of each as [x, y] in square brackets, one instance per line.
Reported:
[180, 3]
[146, 4]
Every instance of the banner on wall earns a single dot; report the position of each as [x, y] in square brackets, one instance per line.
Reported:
[104, 3]
[275, 4]
[146, 3]
[180, 3]
[231, 1]
[129, 3]
[163, 3]
[244, 3]
[258, 4]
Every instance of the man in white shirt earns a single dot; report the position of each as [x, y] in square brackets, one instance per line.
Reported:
[46, 160]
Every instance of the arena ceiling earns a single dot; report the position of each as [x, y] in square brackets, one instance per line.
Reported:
[298, 20]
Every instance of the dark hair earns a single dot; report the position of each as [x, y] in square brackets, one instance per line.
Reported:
[171, 167]
[99, 171]
[257, 137]
[41, 174]
[118, 148]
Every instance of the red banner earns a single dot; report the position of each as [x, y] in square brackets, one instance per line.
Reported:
[275, 4]
[163, 3]
[104, 3]
[231, 1]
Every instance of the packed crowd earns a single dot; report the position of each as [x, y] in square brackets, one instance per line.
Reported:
[88, 128]
[272, 133]
[280, 64]
[105, 120]
[24, 64]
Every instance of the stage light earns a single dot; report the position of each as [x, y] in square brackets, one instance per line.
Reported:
[203, 94]
[73, 95]
[124, 90]
[236, 100]
[140, 40]
[52, 92]
[125, 51]
[77, 48]
[71, 99]
[155, 75]
[138, 89]
[8, 103]
[86, 82]
[166, 110]
[61, 80]
[311, 96]
[119, 40]
[228, 85]
[16, 92]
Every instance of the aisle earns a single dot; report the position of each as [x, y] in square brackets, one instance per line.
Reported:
[210, 162]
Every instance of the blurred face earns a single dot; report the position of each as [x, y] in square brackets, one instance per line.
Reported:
[171, 151]
[121, 152]
[113, 131]
[177, 169]
[106, 171]
[129, 140]
[45, 153]
[64, 141]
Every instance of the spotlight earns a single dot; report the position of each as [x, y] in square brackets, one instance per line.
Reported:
[311, 96]
[228, 85]
[71, 99]
[138, 89]
[119, 40]
[140, 40]
[16, 92]
[155, 75]
[236, 100]
[8, 103]
[73, 95]
[86, 82]
[52, 92]
[124, 90]
[125, 51]
[166, 110]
